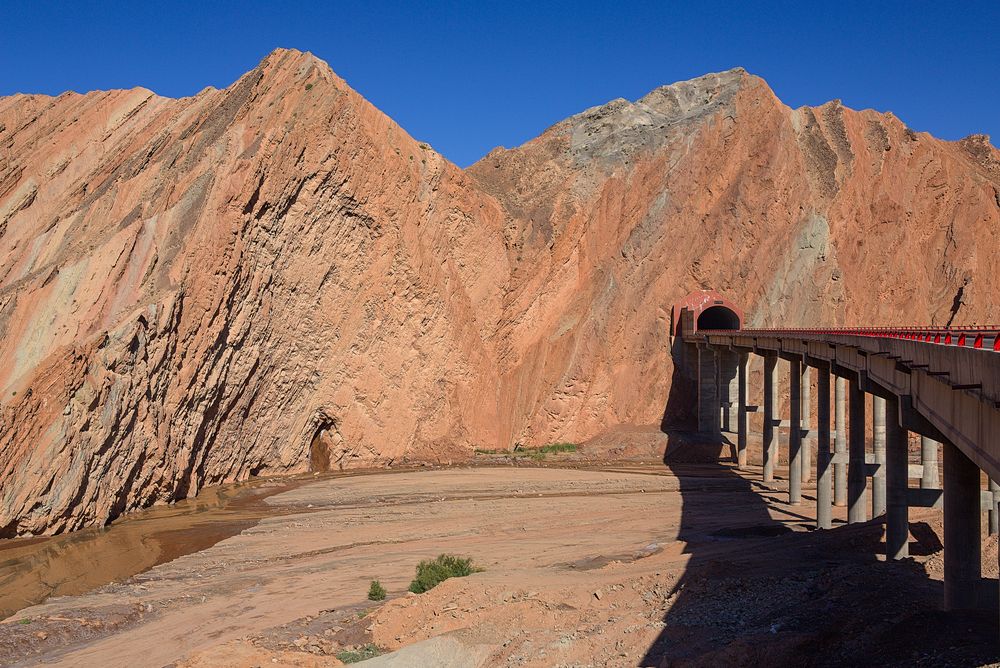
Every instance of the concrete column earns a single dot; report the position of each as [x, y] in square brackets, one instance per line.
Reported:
[840, 443]
[770, 444]
[807, 440]
[708, 397]
[878, 444]
[727, 364]
[962, 520]
[897, 526]
[824, 472]
[795, 432]
[741, 416]
[857, 480]
[994, 517]
[929, 458]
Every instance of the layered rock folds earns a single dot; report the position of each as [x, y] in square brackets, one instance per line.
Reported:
[276, 277]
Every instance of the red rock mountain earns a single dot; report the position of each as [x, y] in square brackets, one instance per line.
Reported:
[275, 276]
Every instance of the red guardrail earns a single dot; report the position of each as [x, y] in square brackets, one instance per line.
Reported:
[985, 338]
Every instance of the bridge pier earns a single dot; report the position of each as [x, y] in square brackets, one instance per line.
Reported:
[962, 535]
[728, 361]
[824, 471]
[795, 431]
[896, 479]
[708, 396]
[770, 443]
[840, 442]
[741, 413]
[994, 516]
[945, 389]
[857, 476]
[878, 446]
[807, 434]
[929, 460]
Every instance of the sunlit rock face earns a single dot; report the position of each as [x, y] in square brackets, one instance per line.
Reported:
[275, 277]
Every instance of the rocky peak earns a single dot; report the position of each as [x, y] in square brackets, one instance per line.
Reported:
[615, 132]
[299, 65]
[982, 152]
[275, 276]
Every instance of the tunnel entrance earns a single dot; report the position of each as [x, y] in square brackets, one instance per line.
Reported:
[718, 317]
[704, 309]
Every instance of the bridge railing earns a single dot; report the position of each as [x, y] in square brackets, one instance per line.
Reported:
[978, 337]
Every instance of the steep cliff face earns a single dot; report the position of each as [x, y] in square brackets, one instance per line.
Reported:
[202, 289]
[808, 216]
[274, 276]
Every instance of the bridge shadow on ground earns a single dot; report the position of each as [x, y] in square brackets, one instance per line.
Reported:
[758, 589]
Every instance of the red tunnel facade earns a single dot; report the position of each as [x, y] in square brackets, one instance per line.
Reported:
[708, 309]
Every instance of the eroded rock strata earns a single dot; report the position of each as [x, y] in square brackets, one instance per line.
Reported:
[275, 276]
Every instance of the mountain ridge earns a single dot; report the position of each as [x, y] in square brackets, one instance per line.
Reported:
[275, 277]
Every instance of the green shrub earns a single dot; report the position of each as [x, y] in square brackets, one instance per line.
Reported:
[532, 453]
[376, 592]
[309, 86]
[433, 572]
[368, 651]
[558, 447]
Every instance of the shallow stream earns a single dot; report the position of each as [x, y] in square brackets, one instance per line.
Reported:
[36, 568]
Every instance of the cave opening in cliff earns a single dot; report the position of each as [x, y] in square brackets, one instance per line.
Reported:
[718, 317]
[320, 448]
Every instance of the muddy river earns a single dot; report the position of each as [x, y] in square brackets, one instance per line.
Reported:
[32, 569]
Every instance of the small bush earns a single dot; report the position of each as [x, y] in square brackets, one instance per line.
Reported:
[558, 447]
[376, 592]
[309, 86]
[432, 572]
[362, 653]
[537, 454]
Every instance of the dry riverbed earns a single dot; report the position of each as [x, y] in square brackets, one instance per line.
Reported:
[598, 565]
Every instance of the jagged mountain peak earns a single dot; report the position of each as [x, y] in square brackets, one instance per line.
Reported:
[274, 276]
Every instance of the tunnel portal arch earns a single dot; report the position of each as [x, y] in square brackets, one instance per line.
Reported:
[705, 309]
[718, 317]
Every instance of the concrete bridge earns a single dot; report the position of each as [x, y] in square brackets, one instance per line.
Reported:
[940, 383]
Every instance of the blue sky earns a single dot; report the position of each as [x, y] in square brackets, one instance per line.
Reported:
[466, 77]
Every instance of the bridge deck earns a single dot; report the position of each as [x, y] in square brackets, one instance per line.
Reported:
[948, 379]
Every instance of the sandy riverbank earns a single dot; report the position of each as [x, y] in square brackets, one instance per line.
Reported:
[626, 564]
